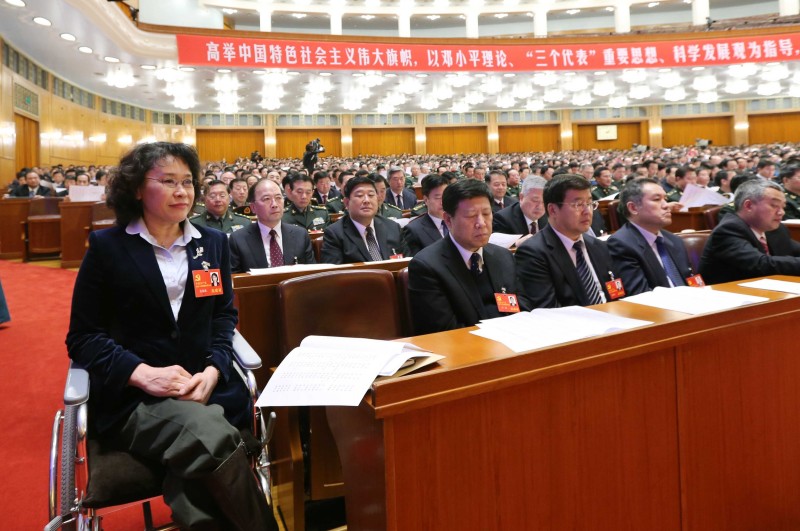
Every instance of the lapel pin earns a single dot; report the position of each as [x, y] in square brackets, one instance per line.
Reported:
[198, 253]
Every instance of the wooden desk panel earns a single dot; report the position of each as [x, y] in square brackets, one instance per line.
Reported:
[690, 423]
[794, 230]
[12, 213]
[75, 218]
[693, 219]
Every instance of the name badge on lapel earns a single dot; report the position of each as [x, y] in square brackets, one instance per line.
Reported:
[506, 302]
[207, 282]
[695, 281]
[615, 288]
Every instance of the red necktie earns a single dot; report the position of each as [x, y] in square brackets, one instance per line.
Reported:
[275, 254]
[763, 241]
[324, 198]
[534, 227]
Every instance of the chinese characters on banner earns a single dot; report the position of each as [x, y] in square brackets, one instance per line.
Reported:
[198, 50]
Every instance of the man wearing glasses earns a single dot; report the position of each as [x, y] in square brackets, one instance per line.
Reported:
[564, 266]
[216, 213]
[269, 242]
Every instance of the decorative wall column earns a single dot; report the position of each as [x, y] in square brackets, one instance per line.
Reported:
[741, 123]
[336, 22]
[420, 138]
[403, 24]
[265, 18]
[346, 133]
[655, 131]
[566, 130]
[700, 12]
[492, 133]
[622, 17]
[788, 8]
[539, 21]
[472, 25]
[270, 136]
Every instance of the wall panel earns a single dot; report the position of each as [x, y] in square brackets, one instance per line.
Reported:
[228, 144]
[383, 141]
[450, 140]
[685, 132]
[521, 138]
[628, 133]
[769, 128]
[291, 143]
[27, 150]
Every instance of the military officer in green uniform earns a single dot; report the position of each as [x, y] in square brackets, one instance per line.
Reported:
[217, 213]
[790, 179]
[384, 209]
[604, 186]
[299, 210]
[513, 183]
[683, 176]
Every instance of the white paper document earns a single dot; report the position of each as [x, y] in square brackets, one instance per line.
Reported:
[504, 240]
[401, 221]
[334, 371]
[774, 285]
[545, 327]
[86, 193]
[694, 301]
[697, 196]
[295, 268]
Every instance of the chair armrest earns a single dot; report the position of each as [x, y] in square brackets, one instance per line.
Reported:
[76, 391]
[245, 355]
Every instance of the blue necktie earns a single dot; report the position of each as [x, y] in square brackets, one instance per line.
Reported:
[585, 275]
[669, 266]
[445, 230]
[474, 264]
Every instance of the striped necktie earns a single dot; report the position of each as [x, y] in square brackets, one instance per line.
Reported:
[585, 276]
[372, 246]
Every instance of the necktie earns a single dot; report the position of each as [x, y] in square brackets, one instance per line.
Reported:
[372, 245]
[445, 230]
[585, 275]
[474, 264]
[534, 227]
[500, 204]
[669, 266]
[31, 192]
[324, 198]
[275, 254]
[763, 241]
[399, 200]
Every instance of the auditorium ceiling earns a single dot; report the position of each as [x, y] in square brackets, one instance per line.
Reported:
[92, 45]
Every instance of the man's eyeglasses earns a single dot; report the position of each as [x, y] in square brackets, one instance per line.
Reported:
[172, 183]
[218, 195]
[580, 206]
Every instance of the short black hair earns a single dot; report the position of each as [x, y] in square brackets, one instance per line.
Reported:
[488, 176]
[557, 187]
[788, 173]
[297, 177]
[127, 178]
[465, 189]
[378, 178]
[319, 175]
[432, 182]
[633, 192]
[355, 181]
[742, 178]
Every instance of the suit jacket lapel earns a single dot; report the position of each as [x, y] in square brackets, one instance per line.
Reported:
[564, 262]
[674, 253]
[647, 252]
[351, 233]
[457, 267]
[491, 263]
[256, 245]
[143, 256]
[382, 236]
[430, 228]
[290, 252]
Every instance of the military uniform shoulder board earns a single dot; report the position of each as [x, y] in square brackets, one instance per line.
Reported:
[389, 205]
[315, 207]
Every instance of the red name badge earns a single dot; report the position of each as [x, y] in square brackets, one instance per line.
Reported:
[507, 302]
[695, 281]
[207, 283]
[396, 256]
[615, 289]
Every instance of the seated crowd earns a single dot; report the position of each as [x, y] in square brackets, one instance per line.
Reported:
[272, 209]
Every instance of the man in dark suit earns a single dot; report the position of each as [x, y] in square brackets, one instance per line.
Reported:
[498, 185]
[269, 242]
[452, 283]
[562, 265]
[527, 216]
[645, 255]
[398, 195]
[361, 235]
[752, 242]
[322, 188]
[429, 227]
[32, 187]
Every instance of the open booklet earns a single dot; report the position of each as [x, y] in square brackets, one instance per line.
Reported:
[337, 371]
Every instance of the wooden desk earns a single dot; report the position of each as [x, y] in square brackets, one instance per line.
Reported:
[794, 230]
[691, 423]
[693, 219]
[76, 220]
[12, 213]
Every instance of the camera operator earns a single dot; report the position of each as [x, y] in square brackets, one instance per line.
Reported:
[310, 156]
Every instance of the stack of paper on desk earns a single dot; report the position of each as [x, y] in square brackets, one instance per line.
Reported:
[693, 301]
[295, 268]
[774, 285]
[337, 371]
[545, 327]
[697, 196]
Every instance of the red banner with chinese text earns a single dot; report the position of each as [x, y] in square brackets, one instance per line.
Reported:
[219, 52]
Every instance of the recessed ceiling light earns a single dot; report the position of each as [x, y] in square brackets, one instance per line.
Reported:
[653, 4]
[500, 15]
[15, 3]
[433, 17]
[109, 59]
[85, 49]
[148, 67]
[698, 68]
[367, 17]
[573, 11]
[390, 74]
[224, 70]
[610, 9]
[600, 73]
[299, 15]
[68, 37]
[325, 74]
[228, 11]
[186, 69]
[422, 75]
[42, 21]
[293, 73]
[509, 74]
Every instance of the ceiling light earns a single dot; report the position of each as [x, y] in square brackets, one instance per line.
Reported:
[653, 4]
[184, 101]
[794, 90]
[120, 76]
[422, 75]
[544, 79]
[85, 49]
[573, 11]
[186, 69]
[390, 74]
[522, 91]
[15, 3]
[633, 77]
[460, 107]
[604, 87]
[534, 105]
[553, 95]
[325, 74]
[775, 72]
[42, 21]
[224, 70]
[500, 15]
[600, 73]
[639, 92]
[577, 83]
[743, 70]
[110, 59]
[610, 9]
[293, 73]
[708, 96]
[768, 89]
[228, 11]
[299, 15]
[581, 99]
[617, 102]
[669, 79]
[698, 68]
[372, 3]
[675, 94]
[433, 17]
[705, 83]
[367, 17]
[737, 86]
[148, 67]
[505, 101]
[68, 37]
[509, 74]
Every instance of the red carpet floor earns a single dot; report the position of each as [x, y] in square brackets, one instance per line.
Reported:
[34, 363]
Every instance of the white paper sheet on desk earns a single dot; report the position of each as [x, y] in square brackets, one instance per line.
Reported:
[401, 221]
[295, 268]
[80, 194]
[545, 327]
[697, 196]
[693, 301]
[504, 240]
[774, 285]
[610, 197]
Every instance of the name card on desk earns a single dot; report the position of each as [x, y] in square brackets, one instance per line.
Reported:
[337, 371]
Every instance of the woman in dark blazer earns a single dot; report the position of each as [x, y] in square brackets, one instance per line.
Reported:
[155, 334]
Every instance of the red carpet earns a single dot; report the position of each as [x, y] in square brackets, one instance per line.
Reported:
[34, 369]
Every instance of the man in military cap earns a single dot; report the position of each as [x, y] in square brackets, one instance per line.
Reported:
[299, 210]
[790, 179]
[386, 210]
[217, 214]
[605, 185]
